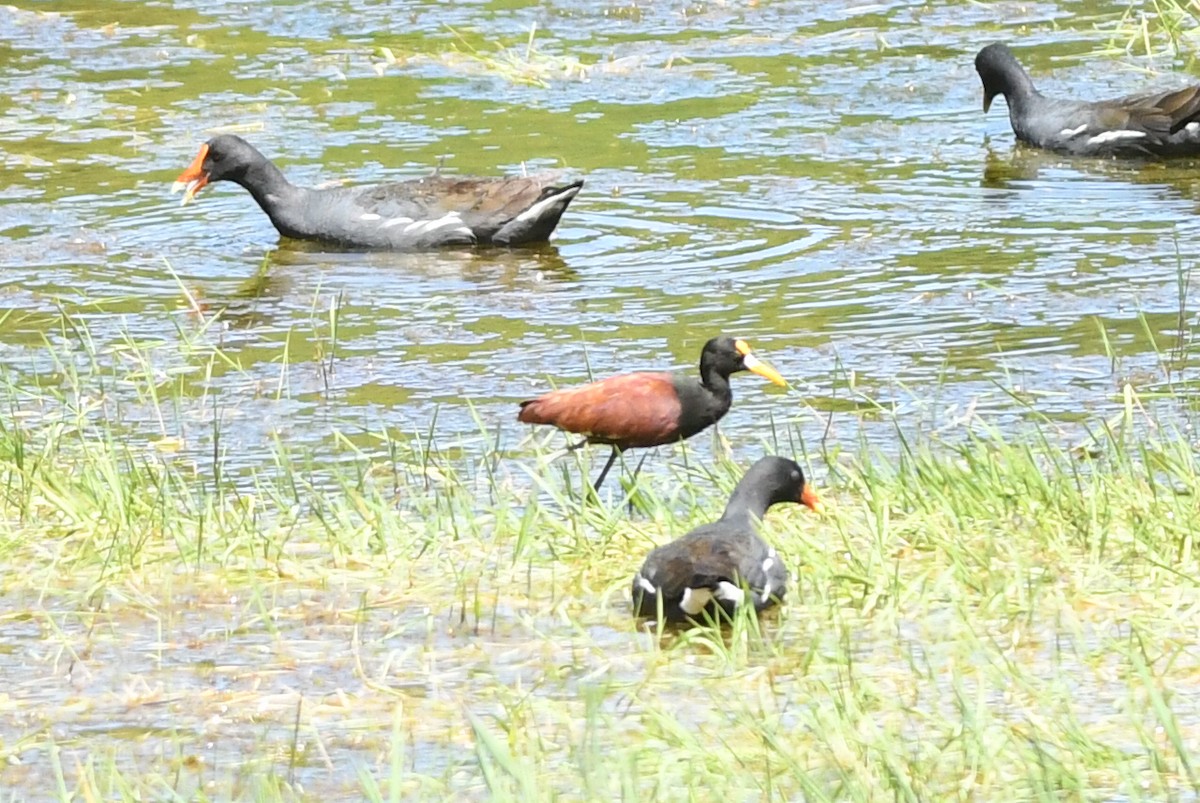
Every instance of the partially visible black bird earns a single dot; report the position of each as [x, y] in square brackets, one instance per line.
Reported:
[1149, 124]
[717, 564]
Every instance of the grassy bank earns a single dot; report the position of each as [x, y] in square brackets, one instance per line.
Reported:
[990, 620]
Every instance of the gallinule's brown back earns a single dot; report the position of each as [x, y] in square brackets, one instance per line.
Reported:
[403, 216]
[1150, 124]
[648, 409]
[717, 564]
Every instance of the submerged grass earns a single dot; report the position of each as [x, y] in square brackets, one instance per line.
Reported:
[526, 64]
[991, 619]
[1159, 29]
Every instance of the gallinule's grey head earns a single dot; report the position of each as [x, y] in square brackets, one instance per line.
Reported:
[642, 410]
[717, 565]
[1001, 74]
[223, 158]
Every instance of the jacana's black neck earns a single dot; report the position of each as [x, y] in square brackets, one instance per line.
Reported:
[702, 403]
[715, 379]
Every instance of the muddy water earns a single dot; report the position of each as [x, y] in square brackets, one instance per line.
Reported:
[817, 178]
[822, 183]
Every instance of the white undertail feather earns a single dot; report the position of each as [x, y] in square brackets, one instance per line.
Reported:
[646, 585]
[728, 592]
[695, 600]
[537, 210]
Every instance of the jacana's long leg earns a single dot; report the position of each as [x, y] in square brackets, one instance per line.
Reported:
[612, 458]
[633, 480]
[639, 465]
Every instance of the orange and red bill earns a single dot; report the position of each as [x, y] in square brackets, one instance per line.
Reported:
[809, 498]
[192, 180]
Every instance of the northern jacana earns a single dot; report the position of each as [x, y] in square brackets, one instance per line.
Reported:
[718, 564]
[1147, 124]
[641, 410]
[403, 216]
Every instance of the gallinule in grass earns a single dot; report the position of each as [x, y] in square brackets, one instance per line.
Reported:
[403, 216]
[718, 564]
[1150, 124]
[647, 409]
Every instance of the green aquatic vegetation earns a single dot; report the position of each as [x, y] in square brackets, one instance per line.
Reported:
[519, 65]
[525, 64]
[1160, 29]
[391, 616]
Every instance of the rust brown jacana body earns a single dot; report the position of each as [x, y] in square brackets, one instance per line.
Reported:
[641, 410]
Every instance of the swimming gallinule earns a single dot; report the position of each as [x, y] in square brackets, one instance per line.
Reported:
[716, 564]
[408, 215]
[1151, 124]
[648, 409]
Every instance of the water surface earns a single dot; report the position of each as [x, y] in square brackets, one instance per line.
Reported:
[817, 178]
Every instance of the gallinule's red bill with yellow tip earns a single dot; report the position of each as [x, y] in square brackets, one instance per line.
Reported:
[717, 565]
[404, 216]
[642, 410]
[1150, 124]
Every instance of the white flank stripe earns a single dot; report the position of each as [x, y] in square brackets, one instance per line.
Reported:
[646, 585]
[1073, 132]
[395, 221]
[695, 600]
[768, 563]
[371, 216]
[534, 212]
[537, 210]
[1112, 136]
[450, 220]
[766, 592]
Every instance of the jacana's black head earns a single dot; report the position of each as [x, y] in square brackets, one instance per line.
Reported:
[1001, 74]
[775, 480]
[223, 158]
[726, 355]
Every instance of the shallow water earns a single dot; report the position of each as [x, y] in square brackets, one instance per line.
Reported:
[821, 182]
[817, 178]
